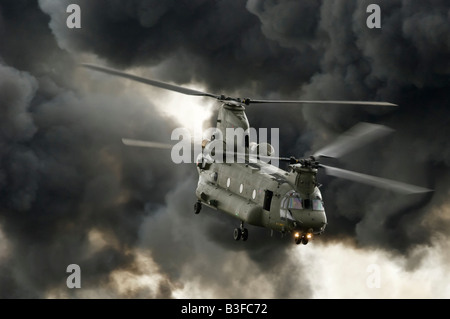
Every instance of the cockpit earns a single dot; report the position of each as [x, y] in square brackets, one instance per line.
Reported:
[305, 216]
[294, 201]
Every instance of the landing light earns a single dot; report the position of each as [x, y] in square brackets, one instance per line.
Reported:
[297, 235]
[309, 235]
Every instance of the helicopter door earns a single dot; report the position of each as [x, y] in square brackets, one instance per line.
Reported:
[267, 199]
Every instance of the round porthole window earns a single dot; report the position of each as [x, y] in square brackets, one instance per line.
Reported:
[241, 188]
[228, 182]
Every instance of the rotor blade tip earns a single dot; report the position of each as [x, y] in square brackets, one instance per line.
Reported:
[86, 65]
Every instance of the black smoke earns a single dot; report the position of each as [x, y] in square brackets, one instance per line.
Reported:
[64, 174]
[64, 171]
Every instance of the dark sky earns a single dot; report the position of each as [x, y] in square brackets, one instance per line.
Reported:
[70, 192]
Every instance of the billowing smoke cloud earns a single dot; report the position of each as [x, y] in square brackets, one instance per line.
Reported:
[70, 192]
[65, 175]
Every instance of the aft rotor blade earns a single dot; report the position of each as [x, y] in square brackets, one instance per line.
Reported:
[140, 143]
[255, 156]
[322, 102]
[375, 181]
[162, 85]
[248, 156]
[362, 133]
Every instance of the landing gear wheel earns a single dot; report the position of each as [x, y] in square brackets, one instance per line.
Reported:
[197, 207]
[304, 240]
[244, 234]
[237, 234]
[298, 240]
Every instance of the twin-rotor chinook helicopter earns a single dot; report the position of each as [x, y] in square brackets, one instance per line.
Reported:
[257, 192]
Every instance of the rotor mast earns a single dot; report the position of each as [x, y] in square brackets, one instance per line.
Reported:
[306, 179]
[233, 117]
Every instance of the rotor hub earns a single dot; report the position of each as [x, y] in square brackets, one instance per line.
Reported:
[309, 162]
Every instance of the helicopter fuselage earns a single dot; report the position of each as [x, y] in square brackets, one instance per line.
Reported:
[258, 193]
[263, 195]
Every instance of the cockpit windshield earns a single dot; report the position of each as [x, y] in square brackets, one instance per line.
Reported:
[293, 200]
[294, 203]
[317, 204]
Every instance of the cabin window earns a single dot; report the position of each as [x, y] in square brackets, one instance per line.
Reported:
[267, 199]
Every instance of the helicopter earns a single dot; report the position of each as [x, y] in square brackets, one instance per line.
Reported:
[254, 191]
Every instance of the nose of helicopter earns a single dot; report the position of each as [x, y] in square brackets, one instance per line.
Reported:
[312, 219]
[319, 221]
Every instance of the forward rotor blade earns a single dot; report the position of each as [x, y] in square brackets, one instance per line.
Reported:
[157, 145]
[375, 181]
[322, 102]
[362, 133]
[139, 143]
[158, 84]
